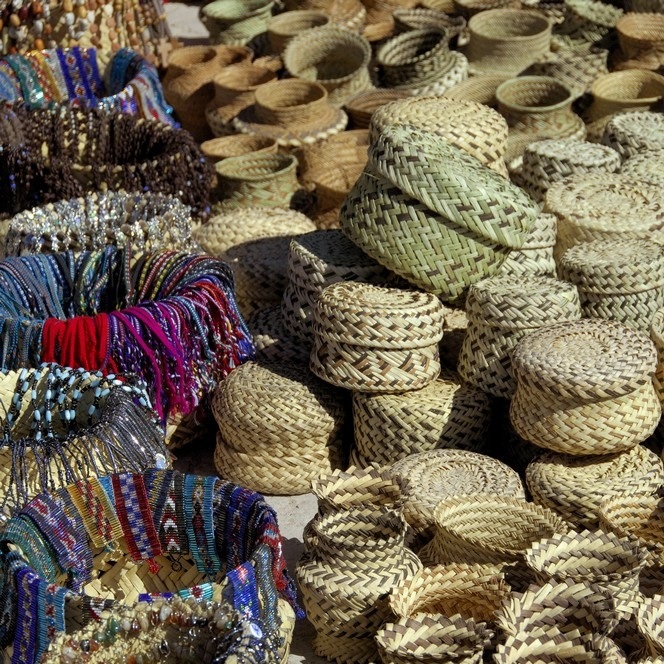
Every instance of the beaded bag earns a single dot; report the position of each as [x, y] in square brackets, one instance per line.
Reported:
[63, 152]
[170, 319]
[60, 425]
[126, 83]
[108, 550]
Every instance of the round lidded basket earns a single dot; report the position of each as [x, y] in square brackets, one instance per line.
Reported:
[283, 27]
[535, 257]
[576, 487]
[630, 90]
[639, 33]
[621, 280]
[635, 133]
[507, 41]
[444, 414]
[413, 57]
[427, 478]
[335, 57]
[257, 180]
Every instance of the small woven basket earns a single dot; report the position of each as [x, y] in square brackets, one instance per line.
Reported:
[229, 229]
[576, 487]
[423, 19]
[489, 530]
[257, 180]
[426, 478]
[469, 8]
[444, 414]
[501, 311]
[639, 34]
[238, 145]
[630, 90]
[507, 41]
[599, 559]
[590, 20]
[535, 257]
[272, 340]
[621, 280]
[283, 27]
[361, 107]
[336, 58]
[481, 89]
[634, 133]
[236, 21]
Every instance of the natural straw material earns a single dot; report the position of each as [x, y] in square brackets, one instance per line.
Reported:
[594, 206]
[294, 112]
[336, 58]
[361, 107]
[501, 311]
[429, 477]
[417, 19]
[237, 145]
[576, 487]
[640, 517]
[364, 334]
[648, 167]
[470, 126]
[272, 340]
[621, 280]
[535, 257]
[507, 41]
[640, 33]
[444, 414]
[634, 133]
[283, 27]
[649, 619]
[657, 336]
[480, 89]
[405, 236]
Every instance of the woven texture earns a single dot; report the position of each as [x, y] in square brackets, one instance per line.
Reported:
[506, 41]
[634, 133]
[472, 127]
[621, 280]
[427, 478]
[335, 57]
[372, 338]
[554, 160]
[590, 20]
[480, 89]
[272, 340]
[444, 414]
[416, 19]
[641, 34]
[646, 167]
[657, 337]
[592, 206]
[535, 257]
[315, 261]
[575, 487]
[405, 236]
[232, 228]
[361, 107]
[501, 311]
[283, 27]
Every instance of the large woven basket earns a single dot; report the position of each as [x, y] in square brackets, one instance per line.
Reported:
[617, 280]
[336, 58]
[132, 549]
[283, 27]
[593, 206]
[426, 478]
[470, 126]
[425, 248]
[507, 41]
[585, 387]
[444, 414]
[576, 487]
[501, 311]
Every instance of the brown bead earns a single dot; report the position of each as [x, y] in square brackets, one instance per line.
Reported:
[14, 20]
[36, 8]
[39, 44]
[2, 24]
[48, 29]
[112, 35]
[67, 6]
[93, 29]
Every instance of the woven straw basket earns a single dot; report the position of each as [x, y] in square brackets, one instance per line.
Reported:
[445, 414]
[506, 41]
[481, 89]
[427, 478]
[576, 487]
[617, 280]
[237, 145]
[640, 33]
[501, 311]
[417, 19]
[361, 107]
[634, 133]
[590, 20]
[229, 229]
[645, 167]
[576, 381]
[335, 57]
[283, 27]
[272, 340]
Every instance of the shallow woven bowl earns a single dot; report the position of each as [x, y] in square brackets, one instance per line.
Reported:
[283, 27]
[633, 89]
[361, 107]
[417, 19]
[237, 145]
[532, 94]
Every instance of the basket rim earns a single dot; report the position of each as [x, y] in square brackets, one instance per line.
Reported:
[571, 96]
[483, 19]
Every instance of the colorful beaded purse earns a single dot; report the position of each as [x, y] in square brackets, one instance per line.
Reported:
[126, 83]
[60, 425]
[170, 319]
[109, 550]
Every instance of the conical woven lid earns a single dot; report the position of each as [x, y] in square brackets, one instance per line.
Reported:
[586, 359]
[515, 303]
[367, 315]
[454, 184]
[614, 266]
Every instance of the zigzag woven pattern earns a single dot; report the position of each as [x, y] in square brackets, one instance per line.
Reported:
[640, 132]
